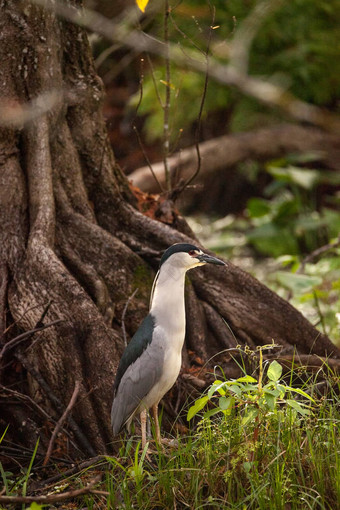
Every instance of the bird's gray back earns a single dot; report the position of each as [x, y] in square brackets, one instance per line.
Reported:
[135, 384]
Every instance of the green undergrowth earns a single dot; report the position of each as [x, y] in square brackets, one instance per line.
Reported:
[285, 456]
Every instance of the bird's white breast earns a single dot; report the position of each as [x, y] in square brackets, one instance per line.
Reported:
[172, 361]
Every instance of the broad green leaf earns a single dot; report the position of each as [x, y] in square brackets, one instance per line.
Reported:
[250, 415]
[274, 371]
[142, 4]
[271, 401]
[212, 412]
[235, 389]
[198, 405]
[298, 407]
[246, 378]
[257, 207]
[217, 386]
[274, 393]
[34, 506]
[300, 392]
[225, 402]
[297, 283]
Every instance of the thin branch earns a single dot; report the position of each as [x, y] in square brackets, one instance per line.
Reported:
[179, 190]
[124, 313]
[22, 396]
[61, 421]
[25, 336]
[50, 482]
[134, 127]
[166, 109]
[316, 253]
[51, 498]
[3, 297]
[247, 31]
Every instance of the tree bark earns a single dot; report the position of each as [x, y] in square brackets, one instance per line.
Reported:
[72, 236]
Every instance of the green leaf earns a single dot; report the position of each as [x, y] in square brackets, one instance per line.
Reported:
[274, 393]
[270, 400]
[198, 405]
[300, 392]
[225, 402]
[246, 378]
[274, 371]
[298, 407]
[217, 386]
[235, 389]
[34, 506]
[297, 283]
[212, 412]
[257, 207]
[250, 415]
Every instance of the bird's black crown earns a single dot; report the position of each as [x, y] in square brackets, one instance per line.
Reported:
[177, 248]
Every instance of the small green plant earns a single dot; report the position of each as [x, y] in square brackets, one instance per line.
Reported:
[251, 397]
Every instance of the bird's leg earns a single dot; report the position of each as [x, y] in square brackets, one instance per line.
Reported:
[155, 418]
[143, 426]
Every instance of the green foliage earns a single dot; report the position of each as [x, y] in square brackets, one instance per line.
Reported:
[294, 461]
[252, 399]
[287, 221]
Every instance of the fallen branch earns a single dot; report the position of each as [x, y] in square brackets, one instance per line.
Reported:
[49, 482]
[51, 498]
[61, 421]
[227, 151]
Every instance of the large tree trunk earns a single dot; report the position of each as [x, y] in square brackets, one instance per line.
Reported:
[72, 235]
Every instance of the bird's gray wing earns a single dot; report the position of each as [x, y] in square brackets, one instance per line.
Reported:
[139, 378]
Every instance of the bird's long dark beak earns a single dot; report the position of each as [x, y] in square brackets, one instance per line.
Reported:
[210, 260]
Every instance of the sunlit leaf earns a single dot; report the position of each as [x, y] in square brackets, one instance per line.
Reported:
[274, 371]
[297, 283]
[225, 402]
[270, 400]
[198, 405]
[298, 407]
[246, 378]
[142, 4]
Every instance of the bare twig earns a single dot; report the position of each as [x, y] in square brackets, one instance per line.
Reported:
[51, 498]
[166, 108]
[179, 190]
[18, 114]
[50, 482]
[25, 336]
[124, 313]
[22, 396]
[134, 127]
[62, 420]
[316, 253]
[3, 296]
[247, 31]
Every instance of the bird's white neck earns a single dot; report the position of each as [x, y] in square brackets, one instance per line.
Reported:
[167, 304]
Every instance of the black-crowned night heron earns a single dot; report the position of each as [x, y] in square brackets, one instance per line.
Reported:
[152, 360]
